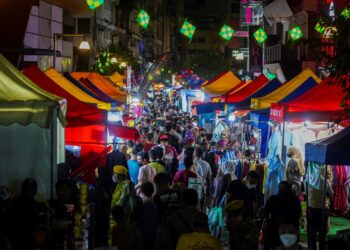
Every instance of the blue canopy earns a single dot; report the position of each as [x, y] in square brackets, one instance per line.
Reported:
[210, 107]
[268, 88]
[334, 150]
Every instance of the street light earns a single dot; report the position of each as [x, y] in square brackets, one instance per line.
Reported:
[84, 45]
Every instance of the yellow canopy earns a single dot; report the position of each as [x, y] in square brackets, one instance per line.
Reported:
[117, 79]
[23, 102]
[221, 84]
[74, 90]
[101, 83]
[284, 90]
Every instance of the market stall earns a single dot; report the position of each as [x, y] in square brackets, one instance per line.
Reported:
[31, 131]
[288, 91]
[221, 84]
[88, 126]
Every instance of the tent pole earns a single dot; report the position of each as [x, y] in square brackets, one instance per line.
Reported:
[53, 150]
[324, 198]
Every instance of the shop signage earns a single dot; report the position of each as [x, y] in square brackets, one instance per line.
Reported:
[241, 33]
[276, 112]
[255, 53]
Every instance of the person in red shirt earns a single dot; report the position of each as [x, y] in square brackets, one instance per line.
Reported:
[182, 176]
[149, 142]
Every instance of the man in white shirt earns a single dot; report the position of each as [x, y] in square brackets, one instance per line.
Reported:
[146, 172]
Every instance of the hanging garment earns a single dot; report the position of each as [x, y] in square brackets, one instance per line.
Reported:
[275, 172]
[339, 197]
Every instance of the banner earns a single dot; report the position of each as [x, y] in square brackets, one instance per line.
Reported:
[277, 112]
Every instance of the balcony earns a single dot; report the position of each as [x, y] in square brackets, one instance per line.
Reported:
[273, 54]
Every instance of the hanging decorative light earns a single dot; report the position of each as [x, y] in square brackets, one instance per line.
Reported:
[296, 33]
[188, 30]
[93, 4]
[260, 35]
[143, 19]
[345, 13]
[319, 28]
[226, 32]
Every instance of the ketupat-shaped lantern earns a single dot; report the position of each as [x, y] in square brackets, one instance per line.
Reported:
[188, 30]
[260, 35]
[296, 33]
[93, 4]
[345, 13]
[143, 19]
[226, 32]
[319, 28]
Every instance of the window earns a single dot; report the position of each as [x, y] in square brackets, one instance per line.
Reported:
[83, 25]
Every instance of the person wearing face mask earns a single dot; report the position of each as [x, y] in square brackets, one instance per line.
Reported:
[289, 236]
[283, 205]
[243, 231]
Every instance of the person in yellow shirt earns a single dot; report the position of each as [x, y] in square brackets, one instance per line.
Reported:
[200, 237]
[152, 154]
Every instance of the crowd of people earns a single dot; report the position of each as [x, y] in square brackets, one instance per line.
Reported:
[177, 187]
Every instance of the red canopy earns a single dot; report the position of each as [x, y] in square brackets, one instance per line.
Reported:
[249, 90]
[78, 112]
[321, 103]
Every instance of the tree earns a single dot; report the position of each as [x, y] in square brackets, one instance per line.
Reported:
[338, 64]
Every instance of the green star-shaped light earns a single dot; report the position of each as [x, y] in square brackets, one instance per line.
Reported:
[295, 33]
[188, 30]
[345, 13]
[226, 32]
[260, 35]
[93, 4]
[319, 28]
[143, 19]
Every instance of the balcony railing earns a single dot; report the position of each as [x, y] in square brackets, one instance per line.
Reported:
[273, 53]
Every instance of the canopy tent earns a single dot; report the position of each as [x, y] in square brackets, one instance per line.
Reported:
[31, 130]
[268, 88]
[101, 83]
[76, 91]
[333, 150]
[210, 107]
[117, 79]
[78, 113]
[221, 84]
[242, 94]
[243, 84]
[97, 95]
[321, 103]
[295, 87]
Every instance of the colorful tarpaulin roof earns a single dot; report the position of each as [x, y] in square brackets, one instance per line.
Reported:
[78, 113]
[117, 78]
[102, 84]
[321, 103]
[268, 88]
[23, 102]
[93, 93]
[333, 150]
[75, 91]
[204, 108]
[253, 87]
[222, 84]
[298, 85]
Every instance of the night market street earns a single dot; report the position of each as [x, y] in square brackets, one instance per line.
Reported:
[174, 125]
